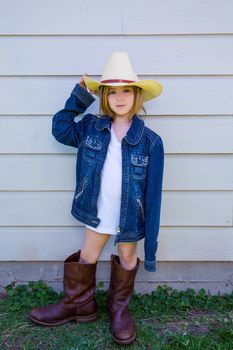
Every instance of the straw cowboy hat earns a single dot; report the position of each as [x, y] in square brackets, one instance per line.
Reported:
[118, 71]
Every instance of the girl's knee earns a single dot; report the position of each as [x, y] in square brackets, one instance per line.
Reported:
[127, 255]
[86, 257]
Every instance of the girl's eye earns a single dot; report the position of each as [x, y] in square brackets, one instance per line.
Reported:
[127, 90]
[112, 92]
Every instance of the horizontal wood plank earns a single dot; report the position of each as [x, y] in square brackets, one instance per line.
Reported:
[56, 243]
[181, 16]
[165, 55]
[118, 17]
[184, 208]
[212, 95]
[181, 134]
[61, 17]
[57, 172]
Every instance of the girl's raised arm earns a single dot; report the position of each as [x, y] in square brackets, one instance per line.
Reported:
[64, 128]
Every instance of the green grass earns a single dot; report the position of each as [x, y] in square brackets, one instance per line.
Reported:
[166, 319]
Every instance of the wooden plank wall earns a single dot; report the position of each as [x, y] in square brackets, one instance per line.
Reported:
[45, 47]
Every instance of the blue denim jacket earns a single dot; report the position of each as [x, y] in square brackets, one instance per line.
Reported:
[142, 171]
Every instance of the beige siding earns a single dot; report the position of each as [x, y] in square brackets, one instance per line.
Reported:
[183, 95]
[56, 243]
[39, 172]
[188, 46]
[161, 55]
[116, 17]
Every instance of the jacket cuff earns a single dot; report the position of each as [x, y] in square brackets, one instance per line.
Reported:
[86, 98]
[150, 265]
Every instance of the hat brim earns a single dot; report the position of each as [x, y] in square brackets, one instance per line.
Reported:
[150, 88]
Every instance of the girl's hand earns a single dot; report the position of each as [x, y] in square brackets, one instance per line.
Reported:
[82, 83]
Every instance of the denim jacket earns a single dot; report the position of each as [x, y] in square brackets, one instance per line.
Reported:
[142, 171]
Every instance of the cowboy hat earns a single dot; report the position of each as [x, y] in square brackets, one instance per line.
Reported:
[119, 72]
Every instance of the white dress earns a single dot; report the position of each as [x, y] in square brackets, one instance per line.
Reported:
[109, 199]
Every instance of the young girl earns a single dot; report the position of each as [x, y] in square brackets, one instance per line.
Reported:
[119, 174]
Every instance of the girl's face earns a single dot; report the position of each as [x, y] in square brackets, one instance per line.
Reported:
[121, 99]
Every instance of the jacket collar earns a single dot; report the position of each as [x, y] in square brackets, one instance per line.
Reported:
[134, 133]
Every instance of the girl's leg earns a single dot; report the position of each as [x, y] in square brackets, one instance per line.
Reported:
[128, 254]
[123, 272]
[93, 245]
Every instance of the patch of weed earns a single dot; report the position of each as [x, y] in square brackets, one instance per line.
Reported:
[166, 319]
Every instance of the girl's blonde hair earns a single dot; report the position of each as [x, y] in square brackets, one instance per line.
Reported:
[106, 110]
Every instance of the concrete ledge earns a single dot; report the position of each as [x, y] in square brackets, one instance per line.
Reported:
[215, 277]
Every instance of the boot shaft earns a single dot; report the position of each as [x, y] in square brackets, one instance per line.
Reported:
[121, 282]
[79, 279]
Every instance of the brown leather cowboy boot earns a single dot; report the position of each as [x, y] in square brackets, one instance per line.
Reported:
[79, 302]
[119, 294]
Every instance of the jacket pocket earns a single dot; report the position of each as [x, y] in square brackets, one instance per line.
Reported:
[139, 164]
[91, 147]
